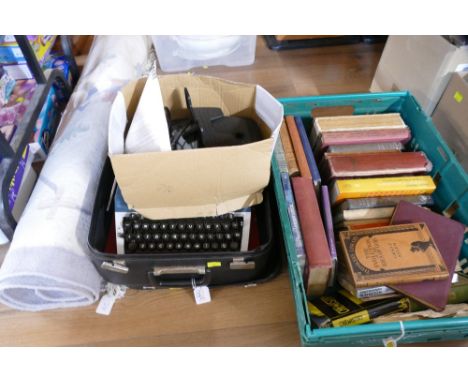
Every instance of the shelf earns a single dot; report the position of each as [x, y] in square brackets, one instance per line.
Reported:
[11, 152]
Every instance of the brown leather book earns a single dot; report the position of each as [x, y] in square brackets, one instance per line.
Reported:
[375, 164]
[297, 146]
[318, 268]
[364, 223]
[389, 255]
[293, 169]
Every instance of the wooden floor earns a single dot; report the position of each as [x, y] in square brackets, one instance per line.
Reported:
[257, 316]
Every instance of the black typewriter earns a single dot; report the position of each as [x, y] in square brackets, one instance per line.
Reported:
[137, 234]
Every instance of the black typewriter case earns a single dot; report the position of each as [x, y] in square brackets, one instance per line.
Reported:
[170, 270]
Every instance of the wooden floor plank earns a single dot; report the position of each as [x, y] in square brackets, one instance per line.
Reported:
[280, 334]
[153, 313]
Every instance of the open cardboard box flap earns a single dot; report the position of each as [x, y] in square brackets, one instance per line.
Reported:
[200, 182]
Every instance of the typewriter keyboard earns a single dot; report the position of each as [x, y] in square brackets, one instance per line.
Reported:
[208, 234]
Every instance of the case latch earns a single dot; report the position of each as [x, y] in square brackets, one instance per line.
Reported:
[241, 263]
[118, 266]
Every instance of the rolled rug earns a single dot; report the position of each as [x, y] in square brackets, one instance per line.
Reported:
[47, 265]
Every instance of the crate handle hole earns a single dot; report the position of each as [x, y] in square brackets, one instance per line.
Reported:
[451, 210]
[442, 153]
[436, 178]
[332, 111]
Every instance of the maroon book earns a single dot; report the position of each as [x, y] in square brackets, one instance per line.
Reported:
[318, 269]
[360, 165]
[359, 137]
[448, 236]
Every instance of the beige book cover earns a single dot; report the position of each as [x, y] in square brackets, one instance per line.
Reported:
[359, 122]
[391, 255]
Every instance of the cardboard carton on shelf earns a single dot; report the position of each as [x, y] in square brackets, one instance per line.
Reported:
[451, 116]
[420, 64]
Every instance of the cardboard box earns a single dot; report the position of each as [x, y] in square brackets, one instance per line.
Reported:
[451, 116]
[207, 181]
[420, 64]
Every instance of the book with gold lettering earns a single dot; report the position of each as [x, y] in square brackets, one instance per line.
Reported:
[387, 186]
[390, 255]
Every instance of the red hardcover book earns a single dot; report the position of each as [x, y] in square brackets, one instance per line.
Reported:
[318, 269]
[297, 146]
[448, 237]
[359, 137]
[375, 164]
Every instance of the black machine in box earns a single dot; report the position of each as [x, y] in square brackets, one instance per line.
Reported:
[153, 267]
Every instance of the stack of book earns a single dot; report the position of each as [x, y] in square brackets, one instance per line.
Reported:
[308, 207]
[362, 159]
[359, 208]
[415, 256]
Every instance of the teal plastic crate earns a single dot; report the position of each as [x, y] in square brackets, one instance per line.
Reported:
[451, 196]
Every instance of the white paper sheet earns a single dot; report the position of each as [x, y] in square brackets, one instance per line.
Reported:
[148, 131]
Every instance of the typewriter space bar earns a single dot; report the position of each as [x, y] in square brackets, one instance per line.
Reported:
[179, 269]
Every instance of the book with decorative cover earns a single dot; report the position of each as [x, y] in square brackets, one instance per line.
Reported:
[390, 255]
[448, 236]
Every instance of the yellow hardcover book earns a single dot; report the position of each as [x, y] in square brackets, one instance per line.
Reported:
[368, 187]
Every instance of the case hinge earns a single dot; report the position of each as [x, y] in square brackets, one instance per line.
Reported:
[241, 263]
[118, 266]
